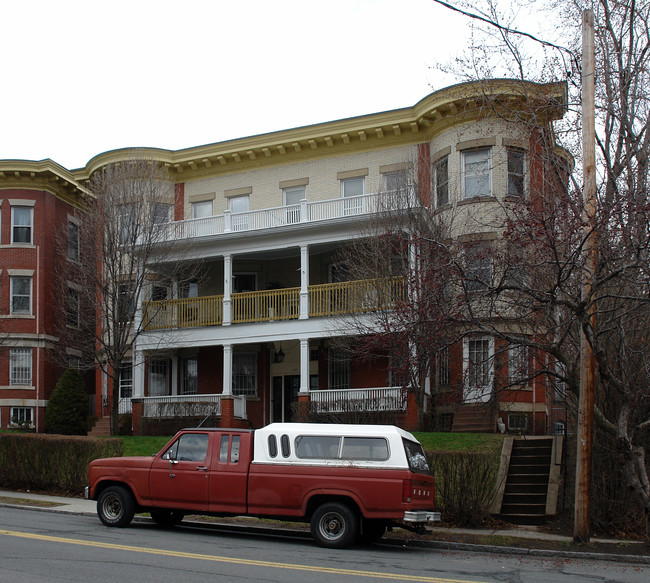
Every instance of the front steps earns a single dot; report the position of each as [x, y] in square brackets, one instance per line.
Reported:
[102, 428]
[529, 489]
[473, 419]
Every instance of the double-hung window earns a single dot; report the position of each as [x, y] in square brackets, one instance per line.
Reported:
[478, 357]
[292, 197]
[239, 207]
[516, 172]
[244, 373]
[158, 377]
[202, 209]
[190, 376]
[20, 366]
[518, 364]
[21, 295]
[352, 190]
[441, 177]
[22, 218]
[477, 173]
[478, 266]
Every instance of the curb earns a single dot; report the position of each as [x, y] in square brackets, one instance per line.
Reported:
[394, 542]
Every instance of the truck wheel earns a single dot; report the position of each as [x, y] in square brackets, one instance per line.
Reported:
[116, 506]
[167, 518]
[334, 525]
[373, 530]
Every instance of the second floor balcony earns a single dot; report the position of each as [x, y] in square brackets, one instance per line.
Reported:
[329, 299]
[304, 212]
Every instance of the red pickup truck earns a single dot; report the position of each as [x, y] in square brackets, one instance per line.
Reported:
[347, 481]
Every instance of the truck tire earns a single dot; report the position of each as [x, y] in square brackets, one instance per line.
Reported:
[116, 506]
[167, 518]
[372, 530]
[335, 525]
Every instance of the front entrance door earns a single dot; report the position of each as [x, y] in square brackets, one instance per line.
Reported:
[285, 392]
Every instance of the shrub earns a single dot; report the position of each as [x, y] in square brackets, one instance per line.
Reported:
[465, 485]
[66, 410]
[52, 463]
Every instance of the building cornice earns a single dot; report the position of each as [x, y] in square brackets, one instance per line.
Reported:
[43, 175]
[435, 113]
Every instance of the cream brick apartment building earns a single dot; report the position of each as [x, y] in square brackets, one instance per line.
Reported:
[267, 216]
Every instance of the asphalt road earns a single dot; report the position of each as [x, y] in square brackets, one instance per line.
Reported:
[41, 547]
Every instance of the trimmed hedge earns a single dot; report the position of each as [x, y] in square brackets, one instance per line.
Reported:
[52, 463]
[465, 485]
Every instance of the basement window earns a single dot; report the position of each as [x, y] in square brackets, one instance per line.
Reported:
[517, 422]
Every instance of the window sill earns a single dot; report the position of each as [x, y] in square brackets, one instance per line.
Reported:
[18, 246]
[476, 199]
[17, 388]
[18, 316]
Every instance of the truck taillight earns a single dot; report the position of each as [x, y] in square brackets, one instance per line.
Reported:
[407, 488]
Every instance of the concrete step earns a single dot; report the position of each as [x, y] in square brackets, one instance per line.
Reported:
[102, 428]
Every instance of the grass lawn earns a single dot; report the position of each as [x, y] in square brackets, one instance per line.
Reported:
[483, 442]
[143, 445]
[472, 442]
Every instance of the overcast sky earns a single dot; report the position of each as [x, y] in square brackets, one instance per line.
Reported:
[80, 77]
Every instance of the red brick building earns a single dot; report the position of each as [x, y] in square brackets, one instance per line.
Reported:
[39, 213]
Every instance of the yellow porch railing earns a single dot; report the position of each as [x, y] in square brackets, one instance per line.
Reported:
[354, 297]
[328, 299]
[265, 306]
[183, 313]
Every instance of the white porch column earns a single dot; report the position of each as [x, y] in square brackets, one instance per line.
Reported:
[227, 369]
[304, 282]
[304, 365]
[227, 290]
[138, 373]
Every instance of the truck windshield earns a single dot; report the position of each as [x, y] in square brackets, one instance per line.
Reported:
[416, 458]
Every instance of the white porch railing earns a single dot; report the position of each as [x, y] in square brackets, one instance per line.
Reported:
[124, 406]
[189, 406]
[373, 399]
[287, 215]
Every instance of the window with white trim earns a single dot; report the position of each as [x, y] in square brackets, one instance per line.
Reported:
[516, 172]
[127, 220]
[126, 380]
[244, 373]
[21, 417]
[20, 366]
[239, 207]
[201, 209]
[478, 266]
[189, 376]
[442, 368]
[21, 295]
[292, 197]
[477, 173]
[478, 362]
[518, 364]
[352, 189]
[22, 219]
[441, 179]
[158, 377]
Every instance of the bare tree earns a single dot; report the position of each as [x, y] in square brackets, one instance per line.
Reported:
[127, 248]
[550, 230]
[405, 261]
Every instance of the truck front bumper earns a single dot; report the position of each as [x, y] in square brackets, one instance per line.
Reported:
[421, 516]
[87, 492]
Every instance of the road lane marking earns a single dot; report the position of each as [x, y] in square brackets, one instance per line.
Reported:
[231, 560]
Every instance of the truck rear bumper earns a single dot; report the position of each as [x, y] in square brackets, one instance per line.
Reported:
[421, 516]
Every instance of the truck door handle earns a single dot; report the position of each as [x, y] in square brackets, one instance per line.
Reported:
[202, 468]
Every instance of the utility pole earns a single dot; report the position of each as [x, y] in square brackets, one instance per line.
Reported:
[581, 530]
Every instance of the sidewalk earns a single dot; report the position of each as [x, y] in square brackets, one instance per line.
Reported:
[531, 540]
